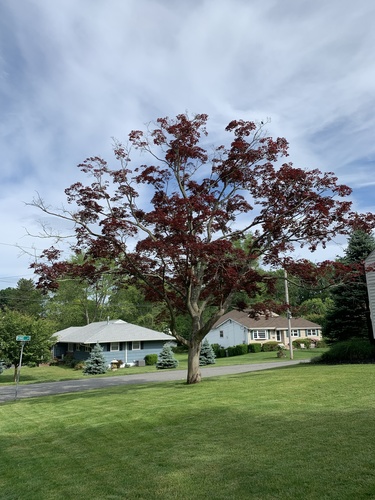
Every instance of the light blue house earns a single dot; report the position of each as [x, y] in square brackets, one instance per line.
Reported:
[119, 340]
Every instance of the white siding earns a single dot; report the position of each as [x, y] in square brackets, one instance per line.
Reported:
[232, 334]
[370, 279]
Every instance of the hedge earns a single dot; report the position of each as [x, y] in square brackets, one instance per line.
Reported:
[272, 345]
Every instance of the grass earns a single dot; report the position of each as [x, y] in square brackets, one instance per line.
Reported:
[61, 373]
[301, 432]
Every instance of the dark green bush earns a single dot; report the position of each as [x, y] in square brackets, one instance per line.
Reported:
[179, 349]
[241, 349]
[270, 346]
[151, 359]
[231, 351]
[350, 351]
[216, 348]
[234, 350]
[254, 347]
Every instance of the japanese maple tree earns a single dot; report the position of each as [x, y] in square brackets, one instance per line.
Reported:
[173, 223]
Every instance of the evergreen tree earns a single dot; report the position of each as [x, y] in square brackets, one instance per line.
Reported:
[166, 358]
[207, 355]
[26, 299]
[96, 364]
[348, 315]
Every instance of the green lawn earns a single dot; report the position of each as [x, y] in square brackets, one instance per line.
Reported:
[58, 373]
[301, 432]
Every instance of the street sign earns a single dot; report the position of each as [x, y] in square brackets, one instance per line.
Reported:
[23, 338]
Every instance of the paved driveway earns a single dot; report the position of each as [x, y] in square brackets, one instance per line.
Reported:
[7, 393]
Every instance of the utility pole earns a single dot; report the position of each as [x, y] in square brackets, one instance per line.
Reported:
[288, 313]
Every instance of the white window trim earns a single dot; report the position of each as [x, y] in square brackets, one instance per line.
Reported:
[312, 332]
[115, 344]
[135, 342]
[264, 334]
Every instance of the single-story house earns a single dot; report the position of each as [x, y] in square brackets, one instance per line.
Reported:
[370, 280]
[237, 327]
[119, 340]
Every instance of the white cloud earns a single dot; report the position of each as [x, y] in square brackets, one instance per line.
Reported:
[74, 74]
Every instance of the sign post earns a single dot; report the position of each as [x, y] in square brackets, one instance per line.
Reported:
[23, 339]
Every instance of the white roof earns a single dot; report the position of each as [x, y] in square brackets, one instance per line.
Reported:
[109, 331]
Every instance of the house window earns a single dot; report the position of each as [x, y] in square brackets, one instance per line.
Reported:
[311, 332]
[87, 348]
[136, 345]
[114, 346]
[221, 334]
[295, 333]
[78, 347]
[70, 347]
[260, 334]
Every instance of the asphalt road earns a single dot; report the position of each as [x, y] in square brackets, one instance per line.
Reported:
[7, 393]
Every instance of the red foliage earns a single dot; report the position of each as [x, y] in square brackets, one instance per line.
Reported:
[195, 205]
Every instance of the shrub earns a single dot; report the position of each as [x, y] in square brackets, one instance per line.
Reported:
[230, 350]
[254, 347]
[280, 352]
[222, 353]
[216, 348]
[207, 355]
[96, 364]
[272, 345]
[298, 342]
[151, 359]
[166, 358]
[240, 349]
[349, 351]
[79, 365]
[180, 349]
[321, 343]
[69, 360]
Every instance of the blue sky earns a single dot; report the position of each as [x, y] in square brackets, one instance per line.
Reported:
[75, 73]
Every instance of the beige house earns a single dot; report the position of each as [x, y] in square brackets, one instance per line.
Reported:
[236, 327]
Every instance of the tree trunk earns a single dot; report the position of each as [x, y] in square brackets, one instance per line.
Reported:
[194, 373]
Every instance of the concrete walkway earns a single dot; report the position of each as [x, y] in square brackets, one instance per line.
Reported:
[7, 393]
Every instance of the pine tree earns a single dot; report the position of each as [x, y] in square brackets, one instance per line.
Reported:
[348, 316]
[96, 364]
[207, 355]
[166, 358]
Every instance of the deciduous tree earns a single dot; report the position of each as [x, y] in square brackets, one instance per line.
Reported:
[38, 350]
[173, 223]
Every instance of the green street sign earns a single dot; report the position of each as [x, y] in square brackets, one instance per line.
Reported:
[23, 338]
